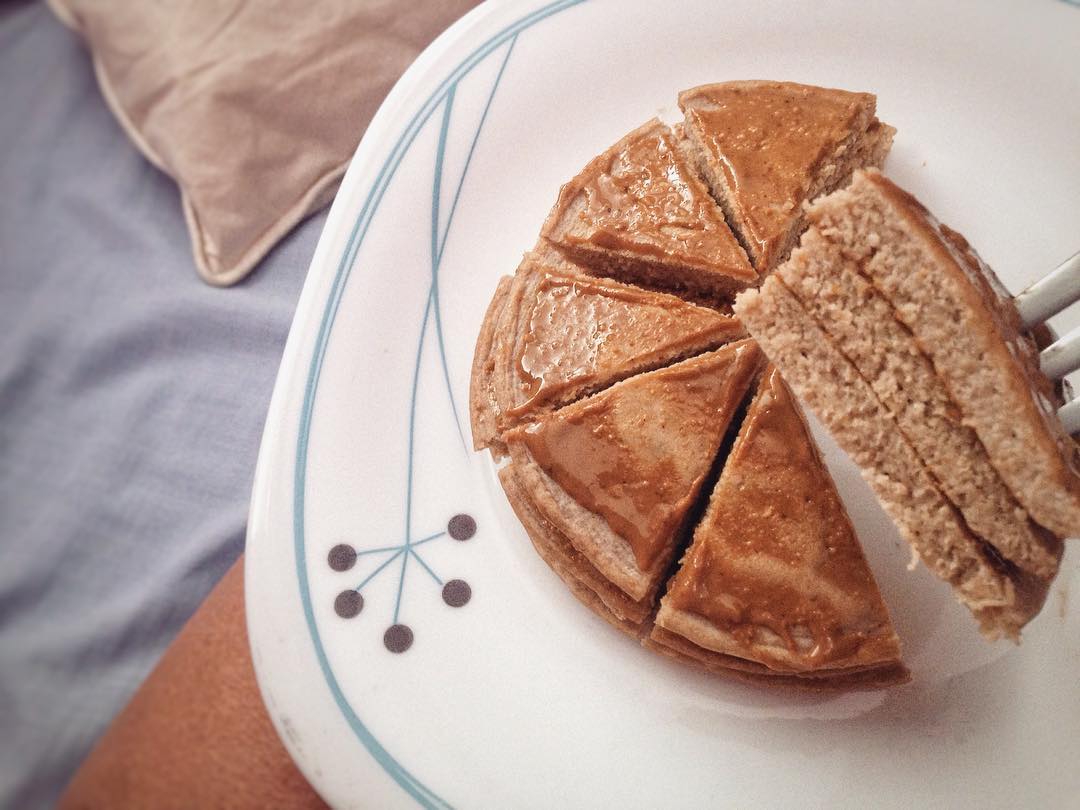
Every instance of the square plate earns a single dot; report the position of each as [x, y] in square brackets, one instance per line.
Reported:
[411, 646]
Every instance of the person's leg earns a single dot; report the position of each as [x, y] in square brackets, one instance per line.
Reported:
[196, 734]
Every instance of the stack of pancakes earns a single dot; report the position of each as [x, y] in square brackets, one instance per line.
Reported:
[657, 458]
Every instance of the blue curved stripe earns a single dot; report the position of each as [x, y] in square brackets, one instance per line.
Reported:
[437, 246]
[413, 786]
[472, 146]
[436, 251]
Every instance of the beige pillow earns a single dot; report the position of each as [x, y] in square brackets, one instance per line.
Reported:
[253, 107]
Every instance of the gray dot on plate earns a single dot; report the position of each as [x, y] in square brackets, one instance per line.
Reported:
[461, 527]
[348, 604]
[398, 638]
[342, 557]
[456, 592]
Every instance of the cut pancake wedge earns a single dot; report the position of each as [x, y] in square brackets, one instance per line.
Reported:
[965, 323]
[1001, 598]
[553, 335]
[765, 148]
[581, 576]
[826, 279]
[775, 582]
[639, 213]
[617, 474]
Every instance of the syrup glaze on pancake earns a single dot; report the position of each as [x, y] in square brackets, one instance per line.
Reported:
[641, 205]
[775, 564]
[770, 140]
[581, 327]
[648, 200]
[637, 454]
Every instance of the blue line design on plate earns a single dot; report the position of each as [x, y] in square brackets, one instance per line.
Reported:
[426, 567]
[377, 550]
[438, 245]
[416, 789]
[375, 573]
[406, 548]
[428, 539]
[437, 249]
[432, 304]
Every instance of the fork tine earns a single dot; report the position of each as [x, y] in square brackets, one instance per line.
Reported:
[1050, 294]
[1069, 414]
[1061, 357]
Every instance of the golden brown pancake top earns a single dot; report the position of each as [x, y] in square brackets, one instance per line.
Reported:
[581, 326]
[641, 196]
[776, 549]
[769, 138]
[636, 453]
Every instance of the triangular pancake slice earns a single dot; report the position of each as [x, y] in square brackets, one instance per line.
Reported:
[558, 335]
[828, 275]
[1002, 598]
[639, 213]
[775, 576]
[954, 309]
[765, 148]
[615, 475]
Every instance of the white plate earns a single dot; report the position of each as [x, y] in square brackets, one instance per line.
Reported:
[521, 697]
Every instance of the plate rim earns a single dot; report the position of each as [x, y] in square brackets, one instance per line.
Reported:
[323, 264]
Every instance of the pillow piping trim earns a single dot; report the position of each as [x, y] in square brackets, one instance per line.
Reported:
[316, 195]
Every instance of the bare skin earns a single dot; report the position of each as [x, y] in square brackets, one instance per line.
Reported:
[196, 734]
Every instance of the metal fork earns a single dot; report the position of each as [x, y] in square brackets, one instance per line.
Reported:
[1043, 299]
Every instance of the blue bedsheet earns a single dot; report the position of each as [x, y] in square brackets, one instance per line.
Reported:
[132, 398]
